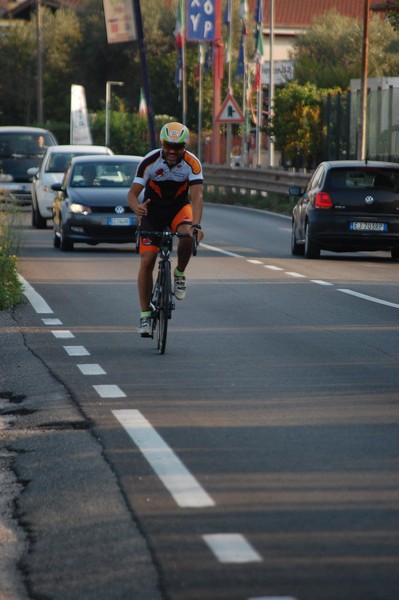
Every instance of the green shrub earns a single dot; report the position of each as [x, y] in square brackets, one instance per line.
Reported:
[10, 286]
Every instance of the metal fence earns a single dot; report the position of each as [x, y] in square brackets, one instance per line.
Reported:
[341, 123]
[245, 180]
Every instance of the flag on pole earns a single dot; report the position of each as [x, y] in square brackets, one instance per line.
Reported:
[143, 111]
[179, 44]
[227, 22]
[258, 44]
[241, 53]
[208, 63]
[243, 10]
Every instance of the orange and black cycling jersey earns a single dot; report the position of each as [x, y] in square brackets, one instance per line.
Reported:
[167, 187]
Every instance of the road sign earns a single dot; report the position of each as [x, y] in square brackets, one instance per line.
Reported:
[229, 112]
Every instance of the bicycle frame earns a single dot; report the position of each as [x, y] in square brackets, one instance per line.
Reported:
[162, 303]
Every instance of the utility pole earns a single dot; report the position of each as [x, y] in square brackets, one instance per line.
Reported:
[39, 27]
[217, 79]
[108, 107]
[362, 150]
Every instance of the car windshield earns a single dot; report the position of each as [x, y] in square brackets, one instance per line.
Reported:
[110, 174]
[352, 178]
[24, 144]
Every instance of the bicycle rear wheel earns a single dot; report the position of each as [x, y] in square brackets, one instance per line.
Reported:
[164, 306]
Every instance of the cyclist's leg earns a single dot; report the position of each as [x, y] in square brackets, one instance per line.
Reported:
[148, 256]
[145, 277]
[181, 223]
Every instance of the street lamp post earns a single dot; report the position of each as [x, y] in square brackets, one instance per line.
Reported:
[108, 107]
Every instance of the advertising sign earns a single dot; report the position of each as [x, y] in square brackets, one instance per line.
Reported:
[200, 20]
[119, 21]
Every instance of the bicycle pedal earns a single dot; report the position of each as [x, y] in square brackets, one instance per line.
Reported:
[146, 335]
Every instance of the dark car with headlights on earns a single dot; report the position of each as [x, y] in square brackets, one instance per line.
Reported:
[347, 206]
[90, 206]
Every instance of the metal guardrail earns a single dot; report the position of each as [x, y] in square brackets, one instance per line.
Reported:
[245, 180]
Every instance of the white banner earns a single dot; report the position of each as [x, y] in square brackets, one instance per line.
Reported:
[283, 71]
[120, 21]
[80, 128]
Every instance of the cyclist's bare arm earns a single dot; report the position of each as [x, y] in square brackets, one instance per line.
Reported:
[196, 196]
[133, 200]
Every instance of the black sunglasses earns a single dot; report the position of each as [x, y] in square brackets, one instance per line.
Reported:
[177, 147]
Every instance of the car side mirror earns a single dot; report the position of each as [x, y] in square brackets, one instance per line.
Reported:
[57, 187]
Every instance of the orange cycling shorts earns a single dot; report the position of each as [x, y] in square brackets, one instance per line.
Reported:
[151, 243]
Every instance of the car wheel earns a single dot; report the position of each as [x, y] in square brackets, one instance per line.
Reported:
[65, 244]
[312, 250]
[37, 219]
[296, 249]
[56, 239]
[33, 215]
[395, 253]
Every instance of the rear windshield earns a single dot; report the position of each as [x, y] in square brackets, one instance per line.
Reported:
[19, 145]
[349, 178]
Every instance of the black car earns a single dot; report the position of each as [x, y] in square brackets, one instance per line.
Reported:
[20, 149]
[347, 206]
[91, 206]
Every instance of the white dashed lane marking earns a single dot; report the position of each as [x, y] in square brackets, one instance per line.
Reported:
[52, 322]
[76, 351]
[231, 548]
[109, 391]
[181, 484]
[321, 282]
[293, 274]
[91, 369]
[62, 334]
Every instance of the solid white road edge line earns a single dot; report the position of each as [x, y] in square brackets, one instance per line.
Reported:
[370, 298]
[38, 303]
[184, 488]
[231, 548]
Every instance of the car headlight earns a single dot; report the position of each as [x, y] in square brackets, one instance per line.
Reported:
[79, 209]
[6, 177]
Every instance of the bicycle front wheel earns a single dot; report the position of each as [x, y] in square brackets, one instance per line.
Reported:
[164, 307]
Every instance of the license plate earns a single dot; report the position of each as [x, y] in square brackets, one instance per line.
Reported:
[121, 221]
[358, 226]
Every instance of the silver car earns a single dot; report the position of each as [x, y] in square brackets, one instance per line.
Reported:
[52, 170]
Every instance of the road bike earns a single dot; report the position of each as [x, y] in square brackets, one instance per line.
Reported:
[162, 302]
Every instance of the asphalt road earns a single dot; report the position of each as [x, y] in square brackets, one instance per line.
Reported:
[256, 459]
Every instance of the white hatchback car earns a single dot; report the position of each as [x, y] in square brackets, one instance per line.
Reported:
[52, 170]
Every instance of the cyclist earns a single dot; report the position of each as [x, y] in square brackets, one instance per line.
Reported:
[168, 175]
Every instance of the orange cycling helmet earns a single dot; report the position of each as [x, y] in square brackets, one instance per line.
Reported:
[174, 133]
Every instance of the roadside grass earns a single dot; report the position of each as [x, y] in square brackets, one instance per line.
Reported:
[270, 201]
[10, 286]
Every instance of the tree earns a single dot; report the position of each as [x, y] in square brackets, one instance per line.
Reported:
[297, 123]
[18, 71]
[329, 53]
